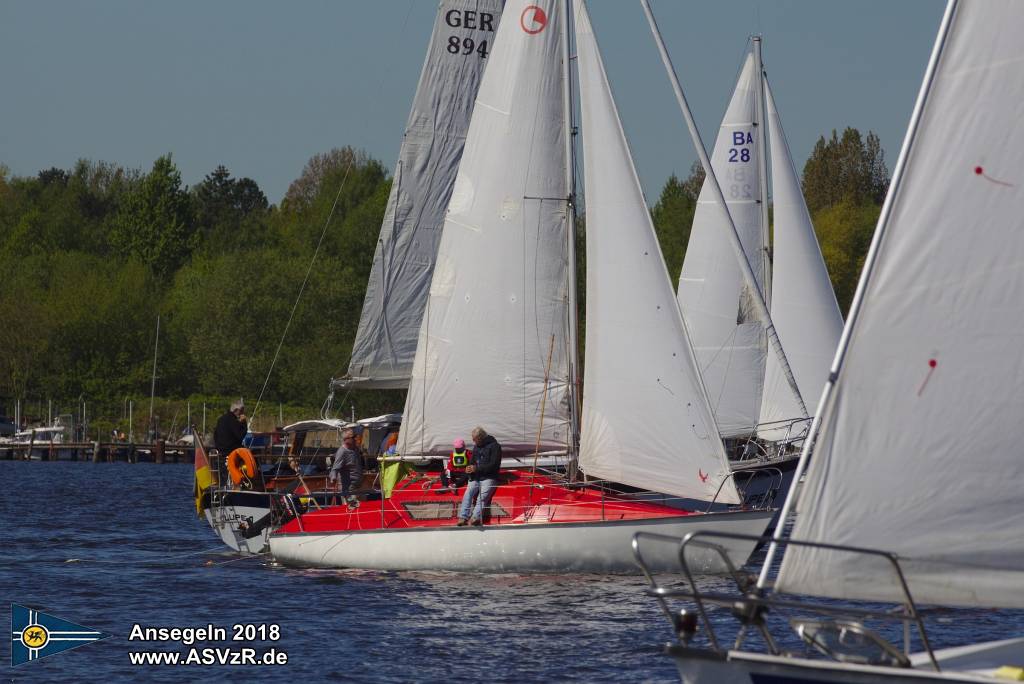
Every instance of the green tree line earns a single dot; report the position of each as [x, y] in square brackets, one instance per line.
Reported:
[92, 255]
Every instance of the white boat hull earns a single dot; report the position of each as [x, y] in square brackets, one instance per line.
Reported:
[604, 547]
[697, 666]
[231, 521]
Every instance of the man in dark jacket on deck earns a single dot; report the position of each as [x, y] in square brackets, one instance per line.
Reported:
[231, 429]
[228, 435]
[483, 477]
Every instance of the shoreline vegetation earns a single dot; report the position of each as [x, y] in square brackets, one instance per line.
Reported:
[92, 255]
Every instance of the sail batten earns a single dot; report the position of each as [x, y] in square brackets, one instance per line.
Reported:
[403, 263]
[498, 294]
[646, 420]
[918, 454]
[729, 338]
[803, 307]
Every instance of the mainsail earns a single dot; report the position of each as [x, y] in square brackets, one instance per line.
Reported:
[498, 297]
[918, 453]
[803, 307]
[396, 293]
[729, 339]
[646, 419]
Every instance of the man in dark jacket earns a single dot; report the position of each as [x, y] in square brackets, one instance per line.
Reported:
[231, 429]
[228, 435]
[483, 477]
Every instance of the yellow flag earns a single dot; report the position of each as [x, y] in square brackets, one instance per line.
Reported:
[391, 473]
[203, 475]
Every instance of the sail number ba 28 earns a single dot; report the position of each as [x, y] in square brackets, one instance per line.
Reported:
[740, 153]
[473, 20]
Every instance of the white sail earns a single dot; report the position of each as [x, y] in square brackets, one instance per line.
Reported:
[804, 308]
[435, 133]
[499, 290]
[728, 338]
[646, 420]
[919, 453]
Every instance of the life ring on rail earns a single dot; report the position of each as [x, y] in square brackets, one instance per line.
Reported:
[242, 466]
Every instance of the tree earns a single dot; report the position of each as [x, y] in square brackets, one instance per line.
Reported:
[228, 210]
[307, 187]
[25, 340]
[693, 184]
[154, 222]
[844, 232]
[673, 217]
[332, 185]
[846, 168]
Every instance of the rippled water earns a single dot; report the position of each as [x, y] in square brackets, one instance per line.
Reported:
[111, 545]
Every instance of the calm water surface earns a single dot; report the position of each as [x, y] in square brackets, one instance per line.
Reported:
[112, 545]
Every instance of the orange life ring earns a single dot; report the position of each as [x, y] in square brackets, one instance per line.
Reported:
[244, 470]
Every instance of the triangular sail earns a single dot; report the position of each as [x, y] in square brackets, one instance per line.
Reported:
[498, 297]
[646, 420]
[435, 133]
[919, 453]
[804, 308]
[728, 338]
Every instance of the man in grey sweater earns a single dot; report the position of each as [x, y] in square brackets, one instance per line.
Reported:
[348, 465]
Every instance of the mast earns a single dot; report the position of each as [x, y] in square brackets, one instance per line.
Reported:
[152, 384]
[858, 297]
[762, 170]
[570, 218]
[716, 189]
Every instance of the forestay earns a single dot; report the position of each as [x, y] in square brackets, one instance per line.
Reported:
[499, 288]
[729, 340]
[646, 419]
[919, 452]
[804, 308]
[428, 160]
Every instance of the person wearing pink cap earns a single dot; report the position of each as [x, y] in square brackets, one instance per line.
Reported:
[454, 473]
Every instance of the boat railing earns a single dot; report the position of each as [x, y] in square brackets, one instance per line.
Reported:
[753, 604]
[759, 501]
[796, 431]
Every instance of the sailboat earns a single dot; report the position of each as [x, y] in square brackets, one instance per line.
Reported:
[404, 259]
[748, 386]
[497, 347]
[913, 493]
[432, 147]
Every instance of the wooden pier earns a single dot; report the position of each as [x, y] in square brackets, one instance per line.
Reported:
[119, 452]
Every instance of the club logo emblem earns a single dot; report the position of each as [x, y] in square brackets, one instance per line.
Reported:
[35, 635]
[533, 20]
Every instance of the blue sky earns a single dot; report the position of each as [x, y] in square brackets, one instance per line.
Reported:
[261, 86]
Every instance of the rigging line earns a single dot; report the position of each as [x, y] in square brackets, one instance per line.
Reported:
[536, 129]
[525, 252]
[162, 559]
[302, 288]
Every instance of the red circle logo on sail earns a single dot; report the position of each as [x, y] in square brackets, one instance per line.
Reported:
[533, 20]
